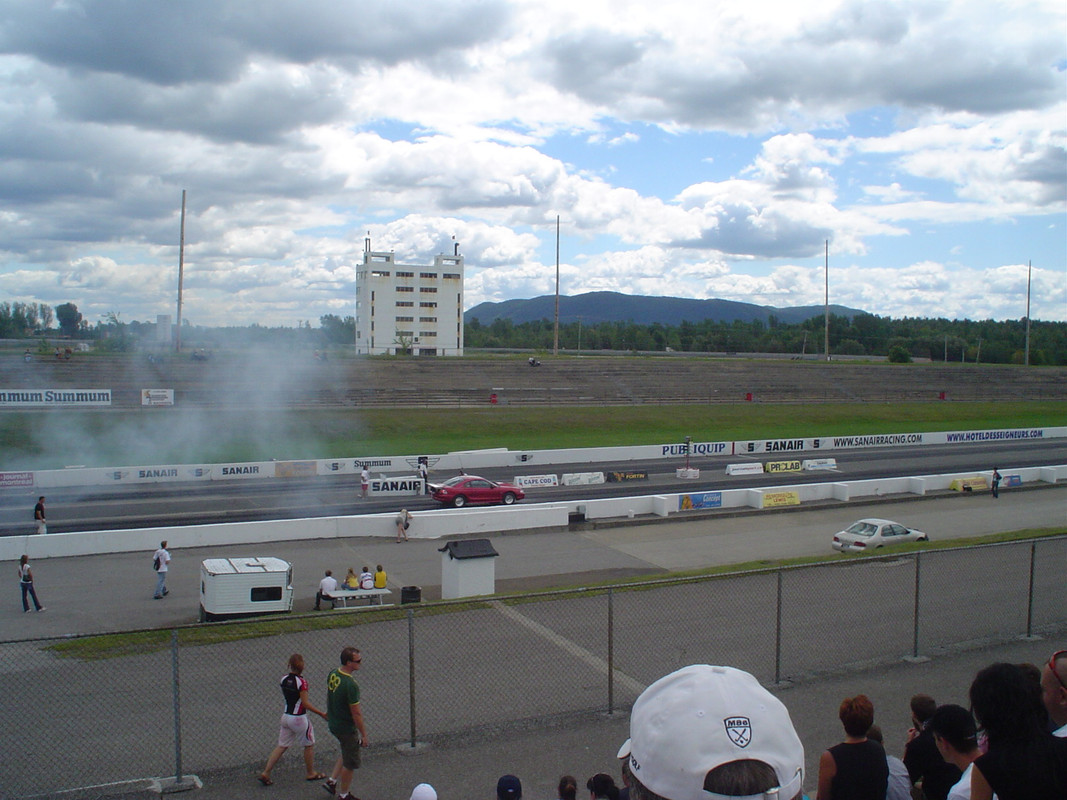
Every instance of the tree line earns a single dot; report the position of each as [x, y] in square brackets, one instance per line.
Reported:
[984, 341]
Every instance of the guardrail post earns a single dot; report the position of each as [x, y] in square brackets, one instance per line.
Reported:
[611, 651]
[778, 634]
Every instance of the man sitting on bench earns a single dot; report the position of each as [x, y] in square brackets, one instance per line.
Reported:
[366, 581]
[326, 588]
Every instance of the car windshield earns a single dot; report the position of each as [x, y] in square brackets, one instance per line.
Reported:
[862, 529]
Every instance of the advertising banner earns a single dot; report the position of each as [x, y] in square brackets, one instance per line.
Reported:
[157, 397]
[690, 502]
[533, 481]
[61, 398]
[782, 466]
[396, 486]
[621, 476]
[296, 469]
[582, 478]
[750, 468]
[779, 499]
[13, 479]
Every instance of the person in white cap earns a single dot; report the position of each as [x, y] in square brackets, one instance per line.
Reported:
[712, 733]
[423, 792]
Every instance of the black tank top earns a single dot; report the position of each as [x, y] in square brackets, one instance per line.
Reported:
[862, 771]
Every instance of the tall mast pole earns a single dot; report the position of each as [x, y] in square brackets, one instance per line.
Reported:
[1026, 356]
[181, 277]
[555, 338]
[826, 302]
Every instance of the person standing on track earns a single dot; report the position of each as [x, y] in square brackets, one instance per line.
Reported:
[38, 516]
[364, 482]
[26, 584]
[161, 564]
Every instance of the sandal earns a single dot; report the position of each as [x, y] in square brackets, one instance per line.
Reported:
[318, 776]
[264, 780]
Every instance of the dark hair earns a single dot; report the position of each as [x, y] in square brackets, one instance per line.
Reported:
[856, 714]
[603, 785]
[568, 788]
[874, 733]
[923, 707]
[347, 653]
[296, 663]
[1007, 705]
[743, 777]
[956, 726]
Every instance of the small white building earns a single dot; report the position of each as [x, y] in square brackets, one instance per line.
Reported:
[405, 308]
[239, 587]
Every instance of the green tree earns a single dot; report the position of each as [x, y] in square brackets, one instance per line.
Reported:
[69, 319]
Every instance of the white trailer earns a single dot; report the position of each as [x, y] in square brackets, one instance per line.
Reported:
[241, 587]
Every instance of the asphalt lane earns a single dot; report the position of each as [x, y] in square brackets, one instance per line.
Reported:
[151, 505]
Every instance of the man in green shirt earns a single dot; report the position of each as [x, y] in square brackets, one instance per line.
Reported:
[345, 719]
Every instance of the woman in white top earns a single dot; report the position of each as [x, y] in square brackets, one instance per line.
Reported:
[26, 584]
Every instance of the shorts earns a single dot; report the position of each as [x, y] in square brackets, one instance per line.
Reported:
[349, 749]
[296, 730]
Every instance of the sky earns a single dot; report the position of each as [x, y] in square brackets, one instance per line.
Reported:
[709, 149]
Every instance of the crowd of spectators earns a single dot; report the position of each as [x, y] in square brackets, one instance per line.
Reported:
[714, 733]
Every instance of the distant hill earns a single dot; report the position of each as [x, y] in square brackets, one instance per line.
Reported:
[595, 307]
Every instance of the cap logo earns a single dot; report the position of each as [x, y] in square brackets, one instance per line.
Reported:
[739, 729]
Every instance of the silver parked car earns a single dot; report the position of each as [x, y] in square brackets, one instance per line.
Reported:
[870, 534]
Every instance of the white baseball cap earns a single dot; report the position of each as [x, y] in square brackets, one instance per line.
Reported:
[423, 792]
[695, 719]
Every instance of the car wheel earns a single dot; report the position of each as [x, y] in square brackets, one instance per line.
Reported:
[509, 498]
[924, 538]
[459, 501]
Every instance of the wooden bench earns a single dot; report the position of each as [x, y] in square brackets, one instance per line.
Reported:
[344, 595]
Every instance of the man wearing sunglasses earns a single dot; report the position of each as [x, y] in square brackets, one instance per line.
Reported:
[1054, 691]
[345, 719]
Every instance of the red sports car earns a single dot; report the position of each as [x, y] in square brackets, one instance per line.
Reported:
[464, 489]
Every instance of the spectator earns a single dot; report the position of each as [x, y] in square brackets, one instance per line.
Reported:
[326, 588]
[856, 768]
[921, 756]
[1023, 760]
[899, 787]
[567, 788]
[602, 787]
[624, 770]
[956, 737]
[423, 792]
[403, 522]
[709, 728]
[161, 564]
[508, 788]
[351, 580]
[1054, 691]
[364, 481]
[38, 517]
[26, 584]
[295, 726]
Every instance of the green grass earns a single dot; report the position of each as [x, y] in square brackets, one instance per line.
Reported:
[37, 440]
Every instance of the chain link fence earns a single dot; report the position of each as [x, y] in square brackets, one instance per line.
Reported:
[87, 713]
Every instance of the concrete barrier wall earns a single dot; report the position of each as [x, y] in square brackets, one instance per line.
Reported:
[454, 522]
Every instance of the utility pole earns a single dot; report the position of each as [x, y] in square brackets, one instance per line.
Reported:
[1026, 356]
[826, 300]
[555, 338]
[181, 277]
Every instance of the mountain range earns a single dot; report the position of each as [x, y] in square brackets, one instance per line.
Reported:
[595, 307]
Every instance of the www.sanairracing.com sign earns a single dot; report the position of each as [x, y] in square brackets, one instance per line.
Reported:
[54, 397]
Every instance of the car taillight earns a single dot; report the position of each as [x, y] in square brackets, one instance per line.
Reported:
[836, 539]
[859, 544]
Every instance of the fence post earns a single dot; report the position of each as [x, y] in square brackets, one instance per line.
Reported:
[915, 625]
[778, 634]
[611, 651]
[1030, 593]
[176, 683]
[411, 672]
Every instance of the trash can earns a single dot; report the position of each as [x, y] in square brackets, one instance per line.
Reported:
[410, 594]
